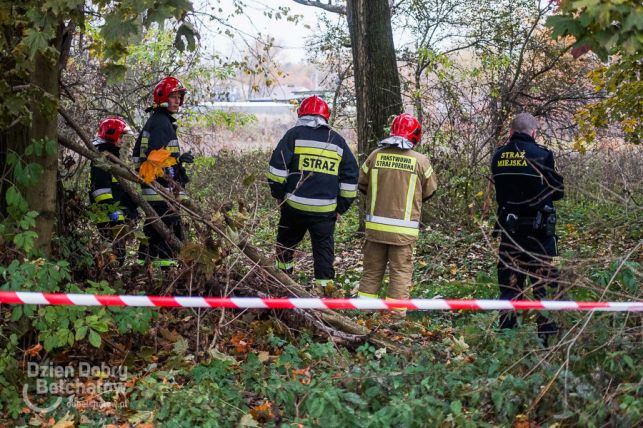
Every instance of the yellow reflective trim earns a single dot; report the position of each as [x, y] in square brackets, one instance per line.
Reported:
[272, 177]
[319, 152]
[348, 193]
[367, 295]
[286, 265]
[395, 309]
[429, 172]
[145, 141]
[365, 168]
[103, 197]
[164, 263]
[172, 149]
[318, 164]
[393, 229]
[373, 190]
[114, 179]
[312, 208]
[409, 197]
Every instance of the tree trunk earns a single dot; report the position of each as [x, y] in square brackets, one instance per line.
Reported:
[377, 83]
[44, 126]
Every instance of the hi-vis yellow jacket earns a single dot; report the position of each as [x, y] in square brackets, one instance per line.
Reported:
[395, 183]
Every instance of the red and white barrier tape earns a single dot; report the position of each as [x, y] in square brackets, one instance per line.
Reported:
[21, 298]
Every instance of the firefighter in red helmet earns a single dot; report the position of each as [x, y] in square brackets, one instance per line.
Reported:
[396, 181]
[159, 132]
[313, 176]
[112, 206]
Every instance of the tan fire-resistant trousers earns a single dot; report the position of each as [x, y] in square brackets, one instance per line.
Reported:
[400, 261]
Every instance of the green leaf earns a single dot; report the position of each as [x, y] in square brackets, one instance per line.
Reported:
[94, 338]
[456, 407]
[35, 41]
[81, 333]
[629, 361]
[51, 147]
[563, 26]
[13, 196]
[28, 221]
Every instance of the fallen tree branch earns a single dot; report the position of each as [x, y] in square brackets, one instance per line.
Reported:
[116, 170]
[283, 284]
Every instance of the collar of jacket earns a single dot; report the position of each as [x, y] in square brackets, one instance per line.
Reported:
[396, 141]
[312, 121]
[105, 146]
[521, 137]
[166, 112]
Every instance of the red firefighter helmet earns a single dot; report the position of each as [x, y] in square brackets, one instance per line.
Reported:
[112, 129]
[407, 126]
[314, 106]
[165, 87]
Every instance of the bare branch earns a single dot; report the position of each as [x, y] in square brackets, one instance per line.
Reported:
[329, 7]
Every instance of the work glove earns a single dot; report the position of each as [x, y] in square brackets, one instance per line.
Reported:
[186, 157]
[114, 216]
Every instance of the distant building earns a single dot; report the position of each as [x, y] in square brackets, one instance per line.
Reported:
[290, 94]
[248, 107]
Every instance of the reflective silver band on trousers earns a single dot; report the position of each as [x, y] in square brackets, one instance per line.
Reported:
[309, 201]
[347, 186]
[392, 221]
[101, 191]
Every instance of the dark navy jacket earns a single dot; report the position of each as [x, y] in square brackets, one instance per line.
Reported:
[525, 177]
[159, 132]
[314, 170]
[106, 190]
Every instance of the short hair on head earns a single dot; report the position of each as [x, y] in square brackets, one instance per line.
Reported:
[524, 122]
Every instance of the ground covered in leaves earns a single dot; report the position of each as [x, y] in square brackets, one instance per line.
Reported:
[186, 368]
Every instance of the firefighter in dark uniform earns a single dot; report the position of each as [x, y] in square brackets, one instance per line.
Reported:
[159, 132]
[526, 185]
[313, 175]
[113, 206]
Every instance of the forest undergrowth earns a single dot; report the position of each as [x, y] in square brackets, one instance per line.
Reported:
[198, 367]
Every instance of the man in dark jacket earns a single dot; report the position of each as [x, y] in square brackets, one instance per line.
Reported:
[112, 205]
[526, 185]
[313, 176]
[159, 132]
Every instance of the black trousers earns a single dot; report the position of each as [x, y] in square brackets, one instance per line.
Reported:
[292, 228]
[523, 257]
[157, 247]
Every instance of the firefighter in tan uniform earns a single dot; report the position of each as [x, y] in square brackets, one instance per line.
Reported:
[396, 180]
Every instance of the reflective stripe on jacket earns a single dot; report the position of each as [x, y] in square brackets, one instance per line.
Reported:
[314, 170]
[105, 191]
[395, 183]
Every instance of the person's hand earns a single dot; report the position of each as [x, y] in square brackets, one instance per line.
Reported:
[186, 157]
[113, 216]
[279, 202]
[337, 216]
